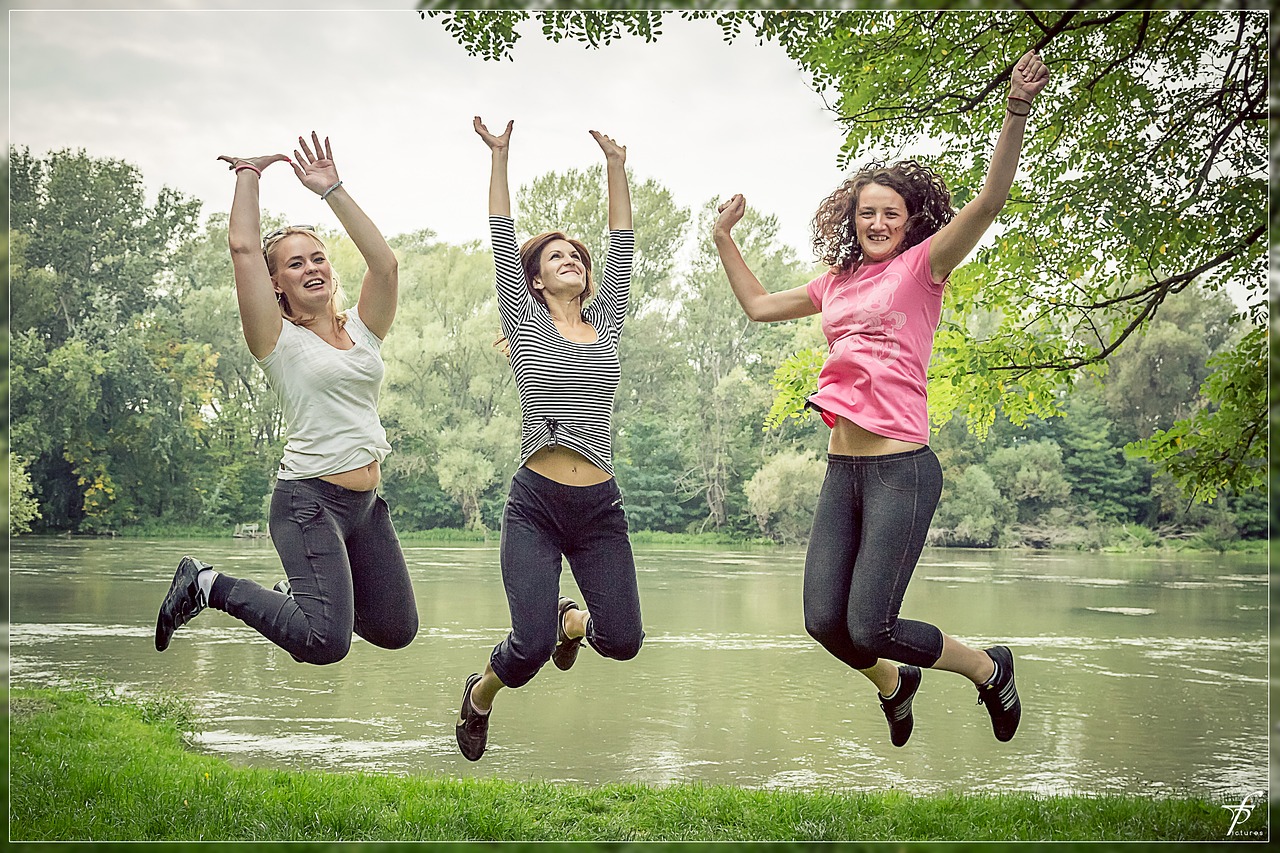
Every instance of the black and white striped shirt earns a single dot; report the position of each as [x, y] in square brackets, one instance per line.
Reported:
[566, 388]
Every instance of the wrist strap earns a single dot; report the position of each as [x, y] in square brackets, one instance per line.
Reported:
[240, 167]
[1010, 108]
[324, 195]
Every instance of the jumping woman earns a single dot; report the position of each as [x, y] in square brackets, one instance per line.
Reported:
[345, 570]
[891, 239]
[563, 499]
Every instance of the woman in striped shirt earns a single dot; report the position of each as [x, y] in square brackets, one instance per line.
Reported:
[563, 501]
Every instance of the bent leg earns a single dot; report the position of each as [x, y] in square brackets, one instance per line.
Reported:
[530, 561]
[828, 566]
[385, 611]
[900, 493]
[314, 623]
[604, 567]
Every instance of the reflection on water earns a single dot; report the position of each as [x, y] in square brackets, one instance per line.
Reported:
[1137, 674]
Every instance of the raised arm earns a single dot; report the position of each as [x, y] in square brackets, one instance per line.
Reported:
[499, 193]
[380, 289]
[615, 159]
[956, 239]
[259, 313]
[759, 304]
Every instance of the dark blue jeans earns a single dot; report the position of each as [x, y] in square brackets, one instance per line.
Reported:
[542, 521]
[347, 573]
[868, 532]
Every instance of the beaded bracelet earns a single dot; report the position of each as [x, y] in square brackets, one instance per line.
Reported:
[324, 195]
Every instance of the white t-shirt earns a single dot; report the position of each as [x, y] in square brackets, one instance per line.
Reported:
[330, 400]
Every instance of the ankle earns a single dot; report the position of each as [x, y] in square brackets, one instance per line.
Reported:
[991, 674]
[575, 623]
[475, 706]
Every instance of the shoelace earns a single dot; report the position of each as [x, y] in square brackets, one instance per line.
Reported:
[1004, 696]
[899, 713]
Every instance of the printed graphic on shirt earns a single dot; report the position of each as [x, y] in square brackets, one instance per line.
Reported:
[866, 321]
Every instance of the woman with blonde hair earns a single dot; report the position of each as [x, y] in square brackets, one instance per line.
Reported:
[345, 570]
[891, 240]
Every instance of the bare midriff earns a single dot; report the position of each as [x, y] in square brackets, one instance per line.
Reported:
[849, 439]
[357, 479]
[565, 466]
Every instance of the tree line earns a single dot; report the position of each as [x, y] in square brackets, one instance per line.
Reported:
[134, 402]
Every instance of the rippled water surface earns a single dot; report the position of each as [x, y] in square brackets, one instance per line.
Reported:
[1137, 674]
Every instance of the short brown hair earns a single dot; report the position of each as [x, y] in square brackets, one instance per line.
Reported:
[531, 261]
[835, 234]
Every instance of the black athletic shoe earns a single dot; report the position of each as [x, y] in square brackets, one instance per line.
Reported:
[183, 601]
[897, 708]
[566, 650]
[472, 728]
[1000, 695]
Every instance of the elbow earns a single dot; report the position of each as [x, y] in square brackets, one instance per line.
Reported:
[241, 246]
[756, 313]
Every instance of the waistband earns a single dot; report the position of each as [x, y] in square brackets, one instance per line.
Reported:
[325, 487]
[532, 479]
[838, 459]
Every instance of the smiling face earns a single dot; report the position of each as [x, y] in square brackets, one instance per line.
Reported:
[557, 265]
[301, 274]
[881, 217]
[562, 271]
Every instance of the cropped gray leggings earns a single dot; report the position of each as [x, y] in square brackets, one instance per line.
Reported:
[868, 532]
[347, 573]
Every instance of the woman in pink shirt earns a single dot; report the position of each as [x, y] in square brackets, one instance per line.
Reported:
[891, 239]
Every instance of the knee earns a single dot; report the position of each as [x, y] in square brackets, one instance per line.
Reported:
[871, 640]
[826, 629]
[624, 648]
[396, 636]
[325, 652]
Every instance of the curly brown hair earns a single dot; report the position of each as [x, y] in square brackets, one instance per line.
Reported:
[835, 234]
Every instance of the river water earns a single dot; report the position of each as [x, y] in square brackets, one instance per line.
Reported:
[1138, 674]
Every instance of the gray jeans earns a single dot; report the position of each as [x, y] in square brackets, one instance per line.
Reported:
[347, 573]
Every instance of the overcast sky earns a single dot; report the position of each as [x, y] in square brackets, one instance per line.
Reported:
[171, 87]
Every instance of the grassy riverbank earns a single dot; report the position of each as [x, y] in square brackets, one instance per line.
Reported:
[86, 767]
[1122, 543]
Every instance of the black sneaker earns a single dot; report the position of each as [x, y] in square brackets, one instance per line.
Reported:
[897, 708]
[183, 601]
[1000, 694]
[472, 728]
[566, 650]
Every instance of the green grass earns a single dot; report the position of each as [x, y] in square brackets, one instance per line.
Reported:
[86, 767]
[446, 534]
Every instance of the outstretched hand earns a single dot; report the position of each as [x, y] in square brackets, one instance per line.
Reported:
[731, 212]
[612, 150]
[495, 143]
[315, 169]
[1030, 76]
[259, 163]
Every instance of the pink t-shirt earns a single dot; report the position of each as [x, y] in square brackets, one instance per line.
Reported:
[879, 322]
